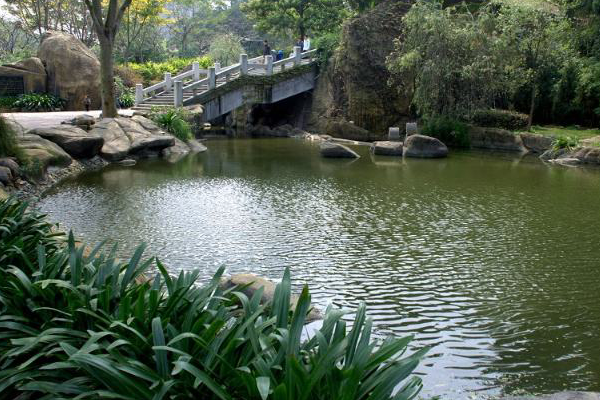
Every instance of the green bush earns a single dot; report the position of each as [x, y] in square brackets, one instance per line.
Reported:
[77, 323]
[565, 142]
[511, 120]
[326, 44]
[39, 102]
[7, 103]
[8, 141]
[154, 71]
[450, 131]
[174, 121]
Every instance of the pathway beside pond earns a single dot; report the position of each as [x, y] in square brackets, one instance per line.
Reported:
[49, 119]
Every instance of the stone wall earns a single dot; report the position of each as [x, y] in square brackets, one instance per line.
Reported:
[31, 71]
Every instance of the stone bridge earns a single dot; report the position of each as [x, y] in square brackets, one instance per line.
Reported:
[222, 90]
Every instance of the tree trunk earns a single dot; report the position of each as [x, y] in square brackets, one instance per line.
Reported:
[109, 108]
[531, 108]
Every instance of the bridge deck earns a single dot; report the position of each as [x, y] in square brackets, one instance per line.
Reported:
[184, 88]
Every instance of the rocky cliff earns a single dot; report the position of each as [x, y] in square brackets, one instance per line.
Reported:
[354, 85]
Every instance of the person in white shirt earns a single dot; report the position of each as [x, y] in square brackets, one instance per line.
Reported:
[306, 46]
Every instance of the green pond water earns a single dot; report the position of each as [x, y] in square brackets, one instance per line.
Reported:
[490, 259]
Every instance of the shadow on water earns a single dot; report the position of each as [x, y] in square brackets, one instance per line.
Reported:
[491, 259]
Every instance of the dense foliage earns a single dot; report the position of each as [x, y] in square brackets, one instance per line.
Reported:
[450, 131]
[7, 103]
[39, 102]
[536, 60]
[510, 120]
[81, 323]
[174, 121]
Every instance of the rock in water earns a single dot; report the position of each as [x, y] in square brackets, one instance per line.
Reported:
[421, 146]
[387, 149]
[125, 136]
[252, 283]
[559, 396]
[495, 139]
[73, 69]
[536, 143]
[335, 150]
[588, 155]
[75, 141]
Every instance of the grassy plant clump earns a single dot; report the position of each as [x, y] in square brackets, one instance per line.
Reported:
[174, 121]
[80, 323]
[39, 102]
[7, 103]
[565, 143]
[152, 72]
[450, 131]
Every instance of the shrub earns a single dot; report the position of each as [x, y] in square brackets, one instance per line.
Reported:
[83, 324]
[174, 120]
[565, 142]
[128, 75]
[126, 99]
[511, 120]
[39, 102]
[8, 141]
[154, 72]
[7, 103]
[326, 44]
[450, 131]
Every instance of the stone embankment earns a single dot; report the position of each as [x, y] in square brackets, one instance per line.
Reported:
[81, 144]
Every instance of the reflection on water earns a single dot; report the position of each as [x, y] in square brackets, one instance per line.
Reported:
[491, 260]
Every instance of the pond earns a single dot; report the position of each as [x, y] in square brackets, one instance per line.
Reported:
[490, 259]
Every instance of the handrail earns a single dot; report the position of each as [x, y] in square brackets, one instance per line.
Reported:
[194, 85]
[228, 70]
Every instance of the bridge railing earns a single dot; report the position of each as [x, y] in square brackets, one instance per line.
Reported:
[216, 75]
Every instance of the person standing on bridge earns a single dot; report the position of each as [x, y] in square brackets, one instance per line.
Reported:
[266, 51]
[306, 44]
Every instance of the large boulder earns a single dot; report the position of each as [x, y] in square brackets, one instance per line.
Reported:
[495, 139]
[591, 142]
[31, 70]
[75, 141]
[6, 176]
[73, 69]
[354, 85]
[44, 151]
[250, 284]
[180, 149]
[387, 149]
[536, 143]
[125, 136]
[336, 150]
[11, 164]
[421, 146]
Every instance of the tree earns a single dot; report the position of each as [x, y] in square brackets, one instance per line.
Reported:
[449, 61]
[194, 23]
[538, 40]
[296, 17]
[226, 49]
[106, 23]
[38, 16]
[139, 21]
[15, 43]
